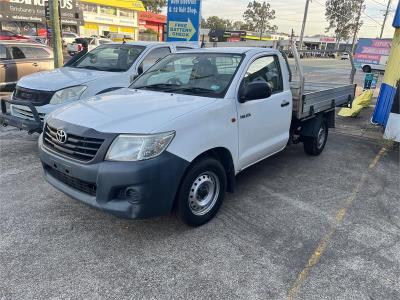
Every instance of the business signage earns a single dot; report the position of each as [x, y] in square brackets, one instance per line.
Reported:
[328, 40]
[372, 51]
[184, 18]
[34, 11]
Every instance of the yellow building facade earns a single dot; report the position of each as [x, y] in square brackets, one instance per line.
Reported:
[115, 18]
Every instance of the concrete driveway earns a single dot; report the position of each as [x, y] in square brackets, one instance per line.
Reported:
[298, 227]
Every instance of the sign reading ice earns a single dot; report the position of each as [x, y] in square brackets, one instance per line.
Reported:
[184, 20]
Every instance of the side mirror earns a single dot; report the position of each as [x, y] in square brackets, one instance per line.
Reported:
[254, 91]
[140, 70]
[133, 77]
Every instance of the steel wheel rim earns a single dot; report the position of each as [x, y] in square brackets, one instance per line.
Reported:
[321, 137]
[204, 193]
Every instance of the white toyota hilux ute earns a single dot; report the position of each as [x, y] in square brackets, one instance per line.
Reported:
[180, 133]
[108, 67]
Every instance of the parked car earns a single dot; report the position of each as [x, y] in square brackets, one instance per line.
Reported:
[345, 56]
[182, 131]
[68, 37]
[6, 35]
[93, 42]
[106, 68]
[21, 58]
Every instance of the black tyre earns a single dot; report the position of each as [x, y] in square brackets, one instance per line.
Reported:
[202, 192]
[315, 145]
[367, 69]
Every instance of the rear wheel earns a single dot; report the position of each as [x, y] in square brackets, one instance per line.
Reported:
[202, 192]
[367, 69]
[315, 145]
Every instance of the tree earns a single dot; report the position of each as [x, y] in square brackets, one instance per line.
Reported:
[154, 6]
[203, 23]
[215, 22]
[258, 16]
[342, 16]
[239, 25]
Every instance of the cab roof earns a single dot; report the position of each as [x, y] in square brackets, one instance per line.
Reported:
[232, 50]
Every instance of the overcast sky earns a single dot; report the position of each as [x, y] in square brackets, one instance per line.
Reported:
[289, 14]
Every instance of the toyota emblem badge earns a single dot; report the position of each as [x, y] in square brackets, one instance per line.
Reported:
[61, 136]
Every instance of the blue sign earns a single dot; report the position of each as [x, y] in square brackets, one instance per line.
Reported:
[396, 21]
[184, 18]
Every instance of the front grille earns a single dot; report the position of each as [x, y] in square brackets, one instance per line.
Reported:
[76, 147]
[36, 97]
[27, 113]
[77, 184]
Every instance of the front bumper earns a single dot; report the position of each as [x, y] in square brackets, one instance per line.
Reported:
[6, 119]
[133, 190]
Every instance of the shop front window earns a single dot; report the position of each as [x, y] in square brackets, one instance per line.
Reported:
[108, 10]
[22, 28]
[126, 13]
[89, 7]
[69, 28]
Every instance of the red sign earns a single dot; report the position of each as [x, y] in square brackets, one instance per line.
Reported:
[328, 40]
[152, 17]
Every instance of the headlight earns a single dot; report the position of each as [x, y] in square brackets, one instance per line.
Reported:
[68, 94]
[128, 147]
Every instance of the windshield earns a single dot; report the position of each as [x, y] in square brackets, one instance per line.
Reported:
[111, 58]
[200, 74]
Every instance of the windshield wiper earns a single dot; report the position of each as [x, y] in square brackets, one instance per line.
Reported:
[198, 90]
[160, 86]
[114, 70]
[90, 68]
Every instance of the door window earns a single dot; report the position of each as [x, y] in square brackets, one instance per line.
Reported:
[154, 56]
[3, 53]
[266, 69]
[17, 53]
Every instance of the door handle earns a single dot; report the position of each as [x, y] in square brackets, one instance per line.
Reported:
[35, 64]
[285, 103]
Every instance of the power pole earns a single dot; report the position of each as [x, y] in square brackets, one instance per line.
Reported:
[55, 25]
[384, 20]
[353, 47]
[303, 28]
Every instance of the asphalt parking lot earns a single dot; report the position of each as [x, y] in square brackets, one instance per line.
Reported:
[298, 227]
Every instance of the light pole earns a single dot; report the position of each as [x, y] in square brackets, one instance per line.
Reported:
[303, 28]
[55, 25]
[384, 20]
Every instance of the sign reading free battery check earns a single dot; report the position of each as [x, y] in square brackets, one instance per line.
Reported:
[184, 20]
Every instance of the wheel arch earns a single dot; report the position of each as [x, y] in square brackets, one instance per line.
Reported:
[224, 156]
[310, 127]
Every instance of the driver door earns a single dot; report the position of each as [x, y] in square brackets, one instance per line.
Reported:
[264, 123]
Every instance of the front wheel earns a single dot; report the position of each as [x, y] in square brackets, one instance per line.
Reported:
[315, 145]
[202, 192]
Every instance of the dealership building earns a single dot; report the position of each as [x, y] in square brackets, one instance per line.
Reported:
[104, 17]
[27, 17]
[85, 17]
